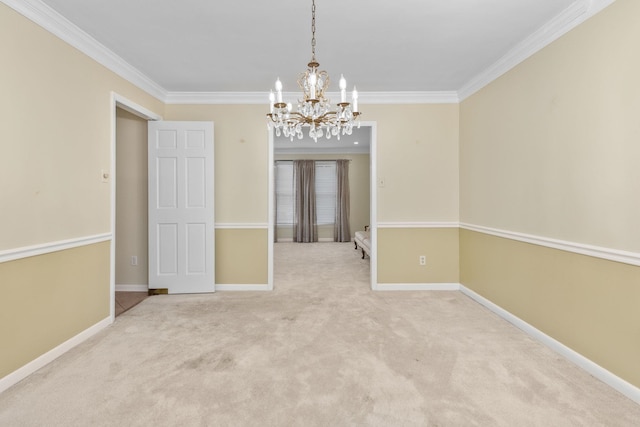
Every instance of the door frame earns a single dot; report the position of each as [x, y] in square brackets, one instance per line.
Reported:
[373, 205]
[119, 101]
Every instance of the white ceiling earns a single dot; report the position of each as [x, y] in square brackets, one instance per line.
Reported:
[379, 45]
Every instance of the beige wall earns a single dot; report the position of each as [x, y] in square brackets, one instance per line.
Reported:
[417, 155]
[359, 183]
[551, 149]
[56, 131]
[131, 199]
[241, 158]
[56, 140]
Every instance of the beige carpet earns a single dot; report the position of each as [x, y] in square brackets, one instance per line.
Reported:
[320, 350]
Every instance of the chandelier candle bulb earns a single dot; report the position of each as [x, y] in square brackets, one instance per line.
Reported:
[312, 85]
[355, 100]
[343, 89]
[272, 99]
[279, 89]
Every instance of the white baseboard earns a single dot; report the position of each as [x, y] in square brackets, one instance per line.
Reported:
[132, 288]
[243, 287]
[612, 380]
[31, 367]
[417, 287]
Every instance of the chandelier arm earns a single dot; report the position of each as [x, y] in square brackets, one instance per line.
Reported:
[328, 115]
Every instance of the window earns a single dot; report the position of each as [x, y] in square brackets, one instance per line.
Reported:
[284, 193]
[325, 192]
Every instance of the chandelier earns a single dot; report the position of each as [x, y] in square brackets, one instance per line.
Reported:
[314, 109]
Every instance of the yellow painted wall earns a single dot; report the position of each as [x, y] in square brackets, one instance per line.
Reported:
[586, 303]
[56, 135]
[551, 149]
[399, 250]
[241, 256]
[49, 299]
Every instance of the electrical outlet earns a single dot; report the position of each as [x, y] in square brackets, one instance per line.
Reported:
[423, 260]
[134, 260]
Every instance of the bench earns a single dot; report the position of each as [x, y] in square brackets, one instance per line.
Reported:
[363, 241]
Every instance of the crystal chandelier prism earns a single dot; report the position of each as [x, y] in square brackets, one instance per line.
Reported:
[314, 110]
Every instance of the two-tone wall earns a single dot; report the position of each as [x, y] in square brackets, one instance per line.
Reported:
[56, 123]
[417, 188]
[549, 153]
[417, 158]
[548, 150]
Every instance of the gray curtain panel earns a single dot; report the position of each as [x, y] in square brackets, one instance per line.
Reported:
[342, 230]
[305, 225]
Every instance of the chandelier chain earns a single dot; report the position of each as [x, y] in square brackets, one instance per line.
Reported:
[313, 30]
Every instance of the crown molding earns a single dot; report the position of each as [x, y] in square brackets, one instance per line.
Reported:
[561, 24]
[58, 25]
[50, 20]
[435, 97]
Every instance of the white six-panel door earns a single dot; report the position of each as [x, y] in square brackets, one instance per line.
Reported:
[181, 207]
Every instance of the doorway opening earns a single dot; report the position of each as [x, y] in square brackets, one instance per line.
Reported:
[123, 110]
[284, 149]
